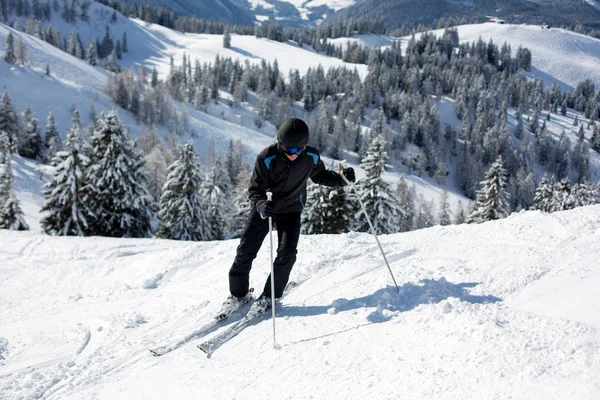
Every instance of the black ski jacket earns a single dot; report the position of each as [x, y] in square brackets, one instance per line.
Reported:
[287, 179]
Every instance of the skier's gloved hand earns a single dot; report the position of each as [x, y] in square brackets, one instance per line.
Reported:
[267, 209]
[349, 174]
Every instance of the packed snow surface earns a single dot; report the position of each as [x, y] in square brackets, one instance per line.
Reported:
[506, 309]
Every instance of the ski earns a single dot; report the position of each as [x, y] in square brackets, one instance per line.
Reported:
[205, 329]
[212, 344]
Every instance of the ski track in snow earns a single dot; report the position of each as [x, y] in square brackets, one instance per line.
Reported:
[481, 313]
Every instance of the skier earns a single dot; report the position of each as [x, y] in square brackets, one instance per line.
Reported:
[283, 169]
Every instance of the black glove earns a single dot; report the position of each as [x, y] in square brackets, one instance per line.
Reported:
[349, 174]
[267, 209]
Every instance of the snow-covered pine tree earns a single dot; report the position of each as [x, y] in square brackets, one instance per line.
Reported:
[562, 196]
[544, 196]
[52, 141]
[519, 128]
[444, 217]
[21, 51]
[492, 198]
[338, 210]
[30, 145]
[65, 206]
[91, 54]
[217, 192]
[119, 199]
[459, 215]
[9, 122]
[241, 201]
[227, 39]
[383, 207]
[183, 212]
[9, 53]
[314, 214]
[11, 215]
[406, 197]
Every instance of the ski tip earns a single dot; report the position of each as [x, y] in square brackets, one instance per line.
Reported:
[158, 352]
[205, 350]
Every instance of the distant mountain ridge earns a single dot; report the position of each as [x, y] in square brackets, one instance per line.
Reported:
[221, 10]
[395, 12]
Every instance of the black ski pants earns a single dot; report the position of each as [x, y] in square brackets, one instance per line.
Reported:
[288, 233]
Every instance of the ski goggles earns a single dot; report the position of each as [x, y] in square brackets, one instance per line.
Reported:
[292, 151]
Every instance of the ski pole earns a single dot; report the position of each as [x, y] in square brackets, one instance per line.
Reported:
[275, 345]
[342, 166]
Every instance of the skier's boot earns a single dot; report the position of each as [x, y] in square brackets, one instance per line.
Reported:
[259, 307]
[232, 304]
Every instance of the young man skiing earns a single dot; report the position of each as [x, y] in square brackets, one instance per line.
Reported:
[282, 169]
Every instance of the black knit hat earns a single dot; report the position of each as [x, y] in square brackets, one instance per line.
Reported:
[293, 133]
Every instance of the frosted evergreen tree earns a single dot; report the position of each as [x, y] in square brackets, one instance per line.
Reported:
[459, 215]
[30, 146]
[119, 197]
[11, 215]
[74, 46]
[65, 207]
[444, 217]
[91, 55]
[124, 44]
[111, 64]
[227, 39]
[52, 141]
[383, 207]
[406, 197]
[9, 122]
[534, 122]
[519, 128]
[492, 198]
[338, 210]
[525, 189]
[156, 165]
[21, 51]
[544, 195]
[315, 212]
[562, 156]
[9, 53]
[562, 196]
[118, 51]
[183, 212]
[242, 202]
[217, 192]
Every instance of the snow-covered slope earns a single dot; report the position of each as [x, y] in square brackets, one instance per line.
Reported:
[506, 309]
[205, 48]
[74, 83]
[559, 56]
[594, 3]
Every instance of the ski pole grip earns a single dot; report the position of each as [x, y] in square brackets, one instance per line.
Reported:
[269, 196]
[342, 166]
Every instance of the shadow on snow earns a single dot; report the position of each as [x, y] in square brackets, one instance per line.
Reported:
[429, 291]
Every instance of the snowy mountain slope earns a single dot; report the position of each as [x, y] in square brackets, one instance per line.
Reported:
[594, 3]
[205, 48]
[559, 56]
[474, 318]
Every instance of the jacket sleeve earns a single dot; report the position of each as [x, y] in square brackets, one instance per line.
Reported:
[326, 177]
[259, 183]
